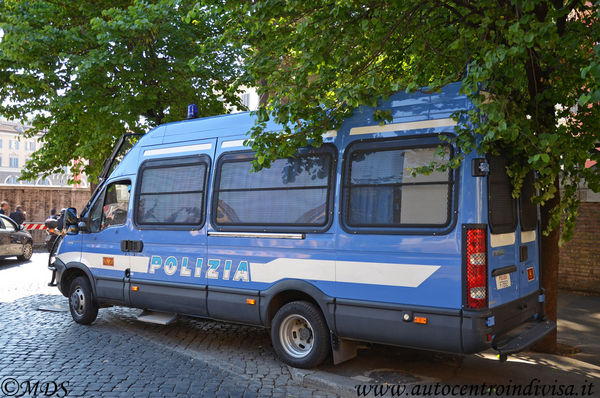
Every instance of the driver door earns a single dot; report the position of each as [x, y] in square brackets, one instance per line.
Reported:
[108, 224]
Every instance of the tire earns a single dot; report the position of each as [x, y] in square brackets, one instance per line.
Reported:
[82, 305]
[27, 252]
[300, 335]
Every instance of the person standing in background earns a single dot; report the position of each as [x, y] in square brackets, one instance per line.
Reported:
[18, 215]
[4, 208]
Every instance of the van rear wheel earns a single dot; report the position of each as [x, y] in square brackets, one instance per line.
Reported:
[84, 309]
[300, 334]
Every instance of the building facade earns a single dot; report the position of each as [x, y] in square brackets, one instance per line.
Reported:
[16, 150]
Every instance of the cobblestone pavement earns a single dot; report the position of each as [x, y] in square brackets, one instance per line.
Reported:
[119, 356]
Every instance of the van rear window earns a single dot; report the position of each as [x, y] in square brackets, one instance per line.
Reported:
[529, 215]
[294, 192]
[502, 208]
[380, 190]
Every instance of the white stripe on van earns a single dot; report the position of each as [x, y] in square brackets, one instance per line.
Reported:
[528, 236]
[406, 275]
[232, 144]
[68, 257]
[95, 260]
[387, 274]
[423, 124]
[178, 149]
[497, 240]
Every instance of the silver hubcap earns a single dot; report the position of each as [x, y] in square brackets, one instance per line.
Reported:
[78, 301]
[296, 336]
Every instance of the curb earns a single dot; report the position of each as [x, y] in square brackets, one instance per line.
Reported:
[341, 385]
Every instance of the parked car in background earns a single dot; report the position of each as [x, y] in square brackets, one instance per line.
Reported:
[14, 241]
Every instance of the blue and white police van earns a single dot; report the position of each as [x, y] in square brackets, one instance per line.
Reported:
[336, 245]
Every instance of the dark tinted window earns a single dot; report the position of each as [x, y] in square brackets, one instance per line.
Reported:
[502, 208]
[528, 208]
[171, 194]
[292, 192]
[380, 190]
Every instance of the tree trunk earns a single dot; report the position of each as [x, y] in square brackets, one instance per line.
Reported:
[549, 272]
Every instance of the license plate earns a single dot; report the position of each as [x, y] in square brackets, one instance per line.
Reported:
[502, 281]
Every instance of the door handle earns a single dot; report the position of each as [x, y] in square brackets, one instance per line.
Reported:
[135, 246]
[523, 253]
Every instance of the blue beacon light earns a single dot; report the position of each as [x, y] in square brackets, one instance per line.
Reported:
[192, 111]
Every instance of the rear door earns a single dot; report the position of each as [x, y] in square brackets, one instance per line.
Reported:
[529, 261]
[513, 239]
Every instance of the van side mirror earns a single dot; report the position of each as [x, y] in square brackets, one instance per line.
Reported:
[70, 216]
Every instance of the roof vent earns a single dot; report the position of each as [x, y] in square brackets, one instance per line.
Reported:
[192, 111]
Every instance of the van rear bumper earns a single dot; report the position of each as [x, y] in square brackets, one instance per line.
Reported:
[509, 328]
[522, 337]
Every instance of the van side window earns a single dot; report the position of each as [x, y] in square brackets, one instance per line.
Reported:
[111, 207]
[502, 207]
[381, 192]
[171, 192]
[292, 193]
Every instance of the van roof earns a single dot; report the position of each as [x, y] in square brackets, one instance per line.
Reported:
[403, 107]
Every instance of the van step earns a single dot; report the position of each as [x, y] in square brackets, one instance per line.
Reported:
[160, 318]
[526, 335]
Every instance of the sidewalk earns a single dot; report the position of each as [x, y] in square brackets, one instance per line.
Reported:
[578, 326]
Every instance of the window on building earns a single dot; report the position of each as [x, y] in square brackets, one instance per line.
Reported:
[13, 162]
[380, 191]
[246, 100]
[11, 180]
[171, 192]
[293, 193]
[0, 143]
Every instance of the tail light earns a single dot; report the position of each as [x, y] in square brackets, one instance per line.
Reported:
[476, 262]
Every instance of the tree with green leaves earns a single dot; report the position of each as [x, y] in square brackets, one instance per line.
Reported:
[525, 64]
[87, 72]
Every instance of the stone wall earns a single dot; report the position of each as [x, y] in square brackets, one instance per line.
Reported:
[579, 268]
[38, 201]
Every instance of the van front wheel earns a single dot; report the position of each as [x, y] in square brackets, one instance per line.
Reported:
[83, 308]
[300, 334]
